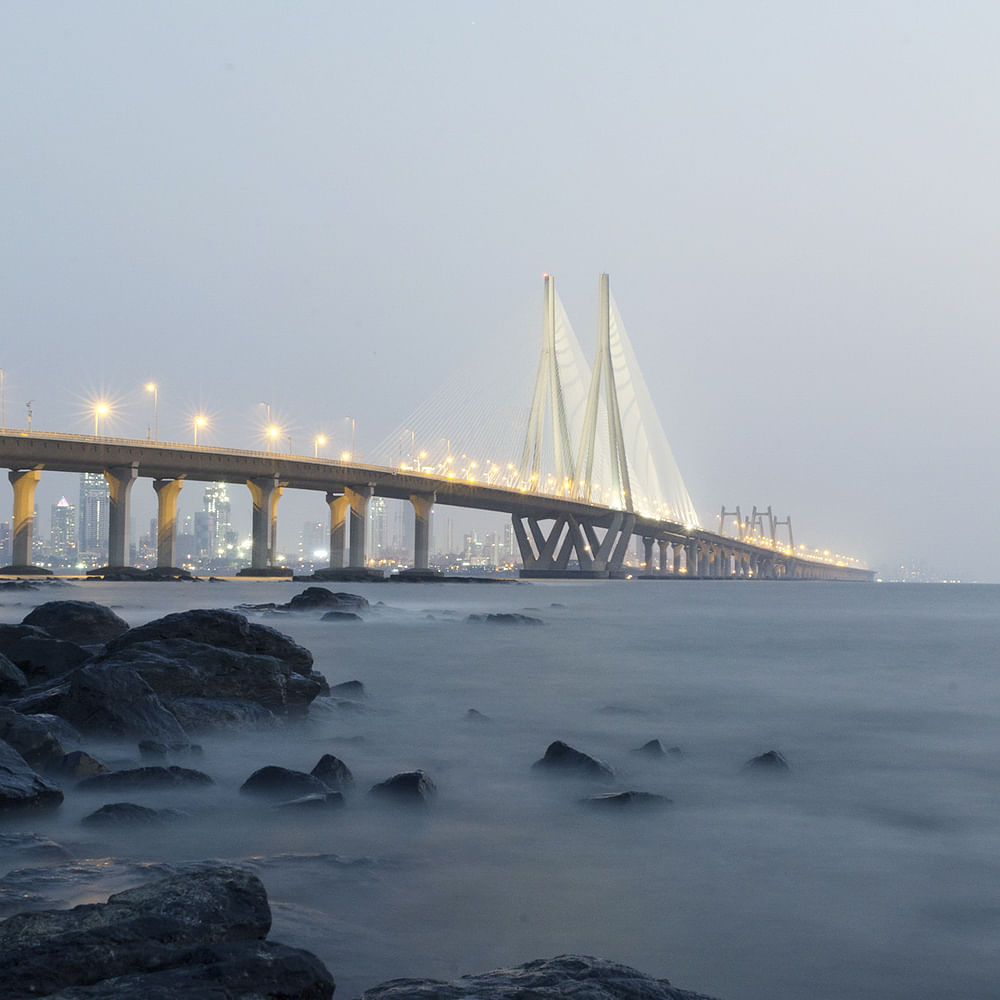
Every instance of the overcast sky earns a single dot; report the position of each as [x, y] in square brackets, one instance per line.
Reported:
[331, 206]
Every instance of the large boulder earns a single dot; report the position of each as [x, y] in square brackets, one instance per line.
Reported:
[560, 758]
[43, 657]
[275, 782]
[153, 776]
[200, 715]
[82, 622]
[31, 737]
[406, 788]
[315, 598]
[9, 634]
[771, 762]
[129, 814]
[544, 979]
[12, 679]
[21, 788]
[333, 772]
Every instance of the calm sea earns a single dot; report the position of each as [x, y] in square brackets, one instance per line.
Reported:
[871, 870]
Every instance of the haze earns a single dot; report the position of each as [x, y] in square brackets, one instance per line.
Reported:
[334, 207]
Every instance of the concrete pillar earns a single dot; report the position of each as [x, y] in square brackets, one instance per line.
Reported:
[423, 503]
[677, 558]
[663, 543]
[272, 538]
[166, 519]
[262, 491]
[339, 505]
[358, 498]
[24, 482]
[692, 558]
[120, 479]
[647, 554]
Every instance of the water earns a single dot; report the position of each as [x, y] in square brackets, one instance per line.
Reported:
[870, 871]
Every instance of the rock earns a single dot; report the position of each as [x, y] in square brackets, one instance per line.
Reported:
[651, 749]
[12, 679]
[505, 618]
[30, 845]
[225, 629]
[82, 622]
[147, 929]
[280, 782]
[544, 979]
[31, 737]
[341, 616]
[198, 715]
[561, 758]
[44, 658]
[183, 668]
[9, 634]
[76, 764]
[352, 690]
[21, 788]
[473, 716]
[152, 750]
[772, 762]
[314, 598]
[408, 787]
[154, 776]
[314, 803]
[130, 814]
[620, 800]
[333, 772]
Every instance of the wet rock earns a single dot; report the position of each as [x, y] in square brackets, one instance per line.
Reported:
[561, 758]
[154, 750]
[199, 715]
[21, 788]
[147, 929]
[771, 762]
[314, 598]
[31, 737]
[544, 979]
[130, 814]
[82, 622]
[75, 765]
[341, 616]
[623, 800]
[183, 668]
[12, 679]
[225, 629]
[44, 658]
[281, 782]
[505, 618]
[32, 846]
[333, 772]
[651, 749]
[313, 803]
[473, 716]
[352, 690]
[137, 778]
[9, 634]
[406, 787]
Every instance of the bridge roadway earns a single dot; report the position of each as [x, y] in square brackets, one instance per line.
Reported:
[550, 530]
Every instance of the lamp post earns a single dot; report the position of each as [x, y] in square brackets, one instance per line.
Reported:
[199, 422]
[152, 387]
[100, 410]
[318, 442]
[272, 435]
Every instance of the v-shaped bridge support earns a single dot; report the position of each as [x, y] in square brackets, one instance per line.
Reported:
[549, 553]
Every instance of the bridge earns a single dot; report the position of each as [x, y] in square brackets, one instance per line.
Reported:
[595, 470]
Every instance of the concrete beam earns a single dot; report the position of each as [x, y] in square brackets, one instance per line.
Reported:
[167, 491]
[120, 479]
[24, 482]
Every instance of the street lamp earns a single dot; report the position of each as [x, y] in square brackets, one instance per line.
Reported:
[318, 442]
[199, 422]
[152, 387]
[272, 435]
[100, 410]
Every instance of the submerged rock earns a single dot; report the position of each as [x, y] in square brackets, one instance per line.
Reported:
[560, 758]
[82, 622]
[130, 814]
[505, 618]
[772, 762]
[621, 800]
[352, 690]
[341, 616]
[476, 716]
[22, 788]
[407, 787]
[76, 764]
[314, 598]
[280, 782]
[651, 749]
[333, 772]
[313, 803]
[544, 979]
[145, 777]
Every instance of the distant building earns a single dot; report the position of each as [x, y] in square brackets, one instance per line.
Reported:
[92, 517]
[216, 502]
[62, 533]
[5, 543]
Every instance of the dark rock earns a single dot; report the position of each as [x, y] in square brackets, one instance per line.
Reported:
[182, 668]
[409, 787]
[130, 814]
[12, 679]
[651, 749]
[280, 782]
[772, 762]
[333, 772]
[21, 788]
[9, 634]
[352, 690]
[341, 616]
[81, 622]
[557, 978]
[31, 845]
[226, 629]
[473, 716]
[147, 929]
[564, 759]
[620, 800]
[31, 737]
[505, 618]
[152, 750]
[314, 803]
[76, 764]
[314, 598]
[676, 752]
[154, 776]
[44, 658]
[198, 715]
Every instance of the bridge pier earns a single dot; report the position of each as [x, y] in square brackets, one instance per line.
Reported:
[548, 555]
[339, 505]
[423, 503]
[662, 543]
[167, 491]
[264, 492]
[120, 479]
[358, 498]
[647, 554]
[24, 482]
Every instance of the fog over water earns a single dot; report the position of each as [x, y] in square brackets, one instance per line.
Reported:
[871, 870]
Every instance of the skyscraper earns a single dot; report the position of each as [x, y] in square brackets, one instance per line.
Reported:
[216, 502]
[62, 533]
[93, 516]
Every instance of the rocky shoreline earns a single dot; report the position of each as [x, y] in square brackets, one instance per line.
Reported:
[74, 670]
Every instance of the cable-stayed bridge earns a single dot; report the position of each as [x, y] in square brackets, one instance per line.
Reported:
[581, 471]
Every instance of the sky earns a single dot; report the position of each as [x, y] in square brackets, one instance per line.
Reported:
[333, 208]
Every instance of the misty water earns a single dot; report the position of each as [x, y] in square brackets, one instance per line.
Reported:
[870, 870]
